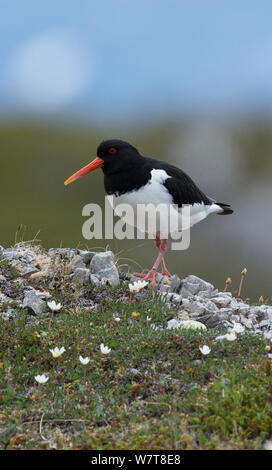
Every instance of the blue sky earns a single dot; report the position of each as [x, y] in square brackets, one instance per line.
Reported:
[125, 59]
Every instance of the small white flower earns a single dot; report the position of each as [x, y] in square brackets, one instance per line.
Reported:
[238, 328]
[133, 288]
[57, 352]
[142, 284]
[231, 336]
[41, 379]
[104, 349]
[137, 285]
[53, 306]
[205, 349]
[84, 360]
[148, 319]
[117, 319]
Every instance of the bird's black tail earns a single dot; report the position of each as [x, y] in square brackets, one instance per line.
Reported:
[226, 208]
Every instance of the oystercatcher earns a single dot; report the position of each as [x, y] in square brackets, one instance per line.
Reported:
[134, 179]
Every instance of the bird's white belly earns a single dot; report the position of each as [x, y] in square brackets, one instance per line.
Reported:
[145, 198]
[155, 200]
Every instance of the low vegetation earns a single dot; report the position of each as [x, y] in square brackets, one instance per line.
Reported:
[153, 390]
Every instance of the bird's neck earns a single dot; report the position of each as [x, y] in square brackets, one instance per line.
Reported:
[126, 179]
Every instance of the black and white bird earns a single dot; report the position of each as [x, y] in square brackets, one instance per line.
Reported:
[134, 179]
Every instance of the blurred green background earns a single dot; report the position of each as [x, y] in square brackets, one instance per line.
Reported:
[36, 159]
[186, 82]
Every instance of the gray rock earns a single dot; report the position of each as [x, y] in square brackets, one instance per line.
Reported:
[4, 298]
[95, 281]
[102, 265]
[212, 320]
[160, 282]
[7, 314]
[63, 252]
[224, 294]
[10, 255]
[235, 318]
[210, 307]
[43, 294]
[23, 255]
[27, 270]
[133, 278]
[81, 275]
[206, 294]
[173, 324]
[246, 322]
[76, 262]
[175, 298]
[187, 289]
[23, 259]
[215, 309]
[258, 312]
[34, 304]
[22, 282]
[87, 256]
[268, 314]
[222, 301]
[175, 284]
[263, 311]
[192, 285]
[264, 323]
[193, 306]
[243, 309]
[268, 334]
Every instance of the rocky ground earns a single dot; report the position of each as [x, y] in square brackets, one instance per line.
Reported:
[30, 273]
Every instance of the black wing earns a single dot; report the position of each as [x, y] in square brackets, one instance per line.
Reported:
[185, 191]
[181, 187]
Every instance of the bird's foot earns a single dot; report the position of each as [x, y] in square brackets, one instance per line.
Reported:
[139, 274]
[150, 276]
[165, 272]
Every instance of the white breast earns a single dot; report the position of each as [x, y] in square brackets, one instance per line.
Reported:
[154, 192]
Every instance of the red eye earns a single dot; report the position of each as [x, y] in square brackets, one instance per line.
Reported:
[112, 150]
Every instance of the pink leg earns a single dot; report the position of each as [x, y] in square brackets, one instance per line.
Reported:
[163, 249]
[151, 275]
[165, 271]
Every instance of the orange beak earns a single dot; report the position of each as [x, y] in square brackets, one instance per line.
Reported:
[96, 163]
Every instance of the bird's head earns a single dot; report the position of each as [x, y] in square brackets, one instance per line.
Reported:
[112, 156]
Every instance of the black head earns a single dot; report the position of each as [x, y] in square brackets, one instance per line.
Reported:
[113, 156]
[117, 155]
